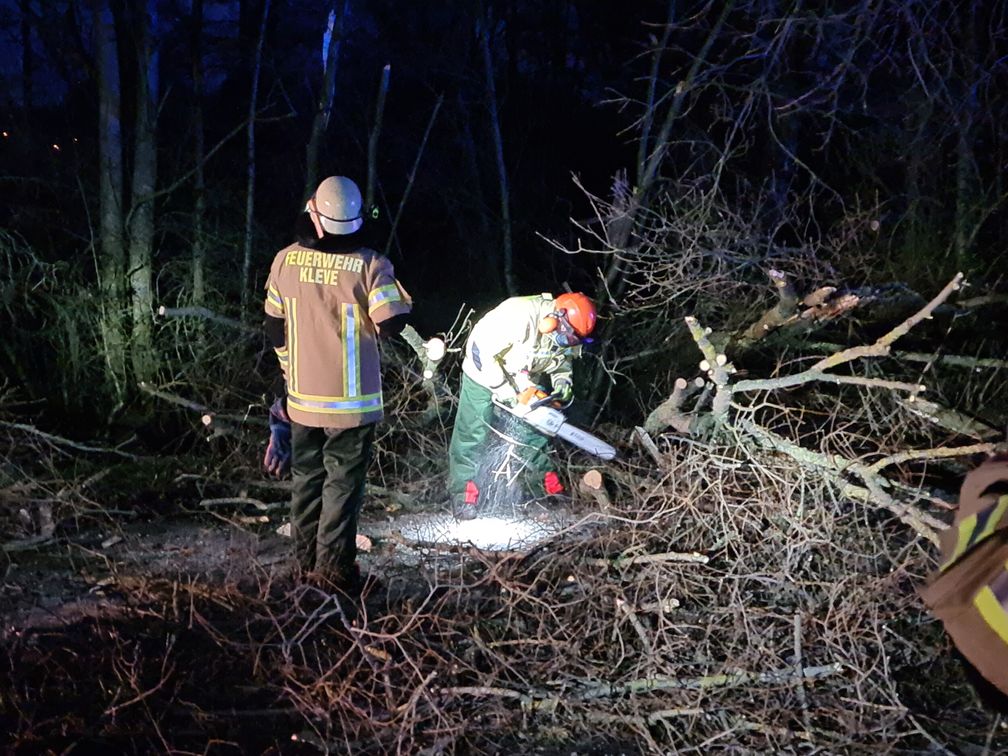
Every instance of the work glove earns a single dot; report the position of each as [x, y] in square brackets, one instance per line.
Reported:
[563, 390]
[277, 459]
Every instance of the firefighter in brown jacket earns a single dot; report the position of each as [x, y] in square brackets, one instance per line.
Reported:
[969, 592]
[328, 299]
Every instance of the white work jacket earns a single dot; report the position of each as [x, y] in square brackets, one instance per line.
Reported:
[509, 333]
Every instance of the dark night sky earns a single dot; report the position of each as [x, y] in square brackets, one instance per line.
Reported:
[801, 134]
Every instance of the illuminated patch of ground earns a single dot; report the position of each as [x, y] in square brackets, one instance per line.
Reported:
[489, 533]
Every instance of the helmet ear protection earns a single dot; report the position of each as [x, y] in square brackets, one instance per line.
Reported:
[548, 324]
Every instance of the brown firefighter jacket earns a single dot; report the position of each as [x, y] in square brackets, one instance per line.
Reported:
[332, 304]
[969, 592]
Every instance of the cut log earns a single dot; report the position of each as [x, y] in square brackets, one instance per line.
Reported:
[592, 485]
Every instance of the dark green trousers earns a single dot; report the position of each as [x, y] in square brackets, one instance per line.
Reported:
[473, 423]
[329, 468]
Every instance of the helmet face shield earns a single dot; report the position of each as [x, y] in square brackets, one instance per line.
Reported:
[564, 335]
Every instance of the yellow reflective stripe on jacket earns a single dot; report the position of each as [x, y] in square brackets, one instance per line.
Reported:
[292, 341]
[975, 528]
[383, 295]
[274, 299]
[335, 405]
[992, 611]
[350, 317]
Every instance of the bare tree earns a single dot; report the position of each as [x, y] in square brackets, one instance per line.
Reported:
[250, 160]
[484, 22]
[372, 147]
[111, 244]
[332, 40]
[27, 57]
[199, 247]
[140, 221]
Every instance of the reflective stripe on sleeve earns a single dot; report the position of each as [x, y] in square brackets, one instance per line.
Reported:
[274, 299]
[383, 295]
[975, 528]
[993, 612]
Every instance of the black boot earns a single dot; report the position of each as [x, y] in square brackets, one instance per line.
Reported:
[462, 509]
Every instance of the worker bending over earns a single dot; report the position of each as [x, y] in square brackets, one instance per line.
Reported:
[511, 354]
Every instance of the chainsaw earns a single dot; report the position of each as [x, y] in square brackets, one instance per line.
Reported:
[545, 417]
[551, 421]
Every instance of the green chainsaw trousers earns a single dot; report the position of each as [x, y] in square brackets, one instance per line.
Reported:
[469, 441]
[328, 467]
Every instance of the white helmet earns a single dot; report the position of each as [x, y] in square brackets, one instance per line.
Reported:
[336, 206]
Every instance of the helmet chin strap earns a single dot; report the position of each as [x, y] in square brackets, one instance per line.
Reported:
[313, 213]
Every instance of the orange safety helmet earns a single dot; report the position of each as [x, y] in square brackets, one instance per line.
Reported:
[579, 311]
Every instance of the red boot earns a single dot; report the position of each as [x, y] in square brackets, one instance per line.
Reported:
[552, 484]
[464, 508]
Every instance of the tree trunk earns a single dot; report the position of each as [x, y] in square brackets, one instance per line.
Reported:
[250, 161]
[483, 32]
[111, 258]
[967, 194]
[651, 155]
[27, 57]
[412, 176]
[141, 217]
[199, 148]
[333, 39]
[372, 147]
[470, 167]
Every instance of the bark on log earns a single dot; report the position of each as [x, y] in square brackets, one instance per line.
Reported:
[780, 313]
[950, 419]
[670, 413]
[645, 440]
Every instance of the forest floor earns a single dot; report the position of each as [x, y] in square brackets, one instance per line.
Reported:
[162, 628]
[750, 589]
[53, 583]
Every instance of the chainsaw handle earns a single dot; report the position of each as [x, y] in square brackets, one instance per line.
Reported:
[544, 400]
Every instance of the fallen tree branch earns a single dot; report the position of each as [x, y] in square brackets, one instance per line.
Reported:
[956, 360]
[670, 413]
[941, 452]
[727, 679]
[881, 346]
[207, 416]
[719, 369]
[786, 381]
[951, 419]
[833, 466]
[645, 440]
[60, 441]
[25, 544]
[207, 314]
[241, 501]
[537, 700]
[779, 314]
[622, 560]
[628, 611]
